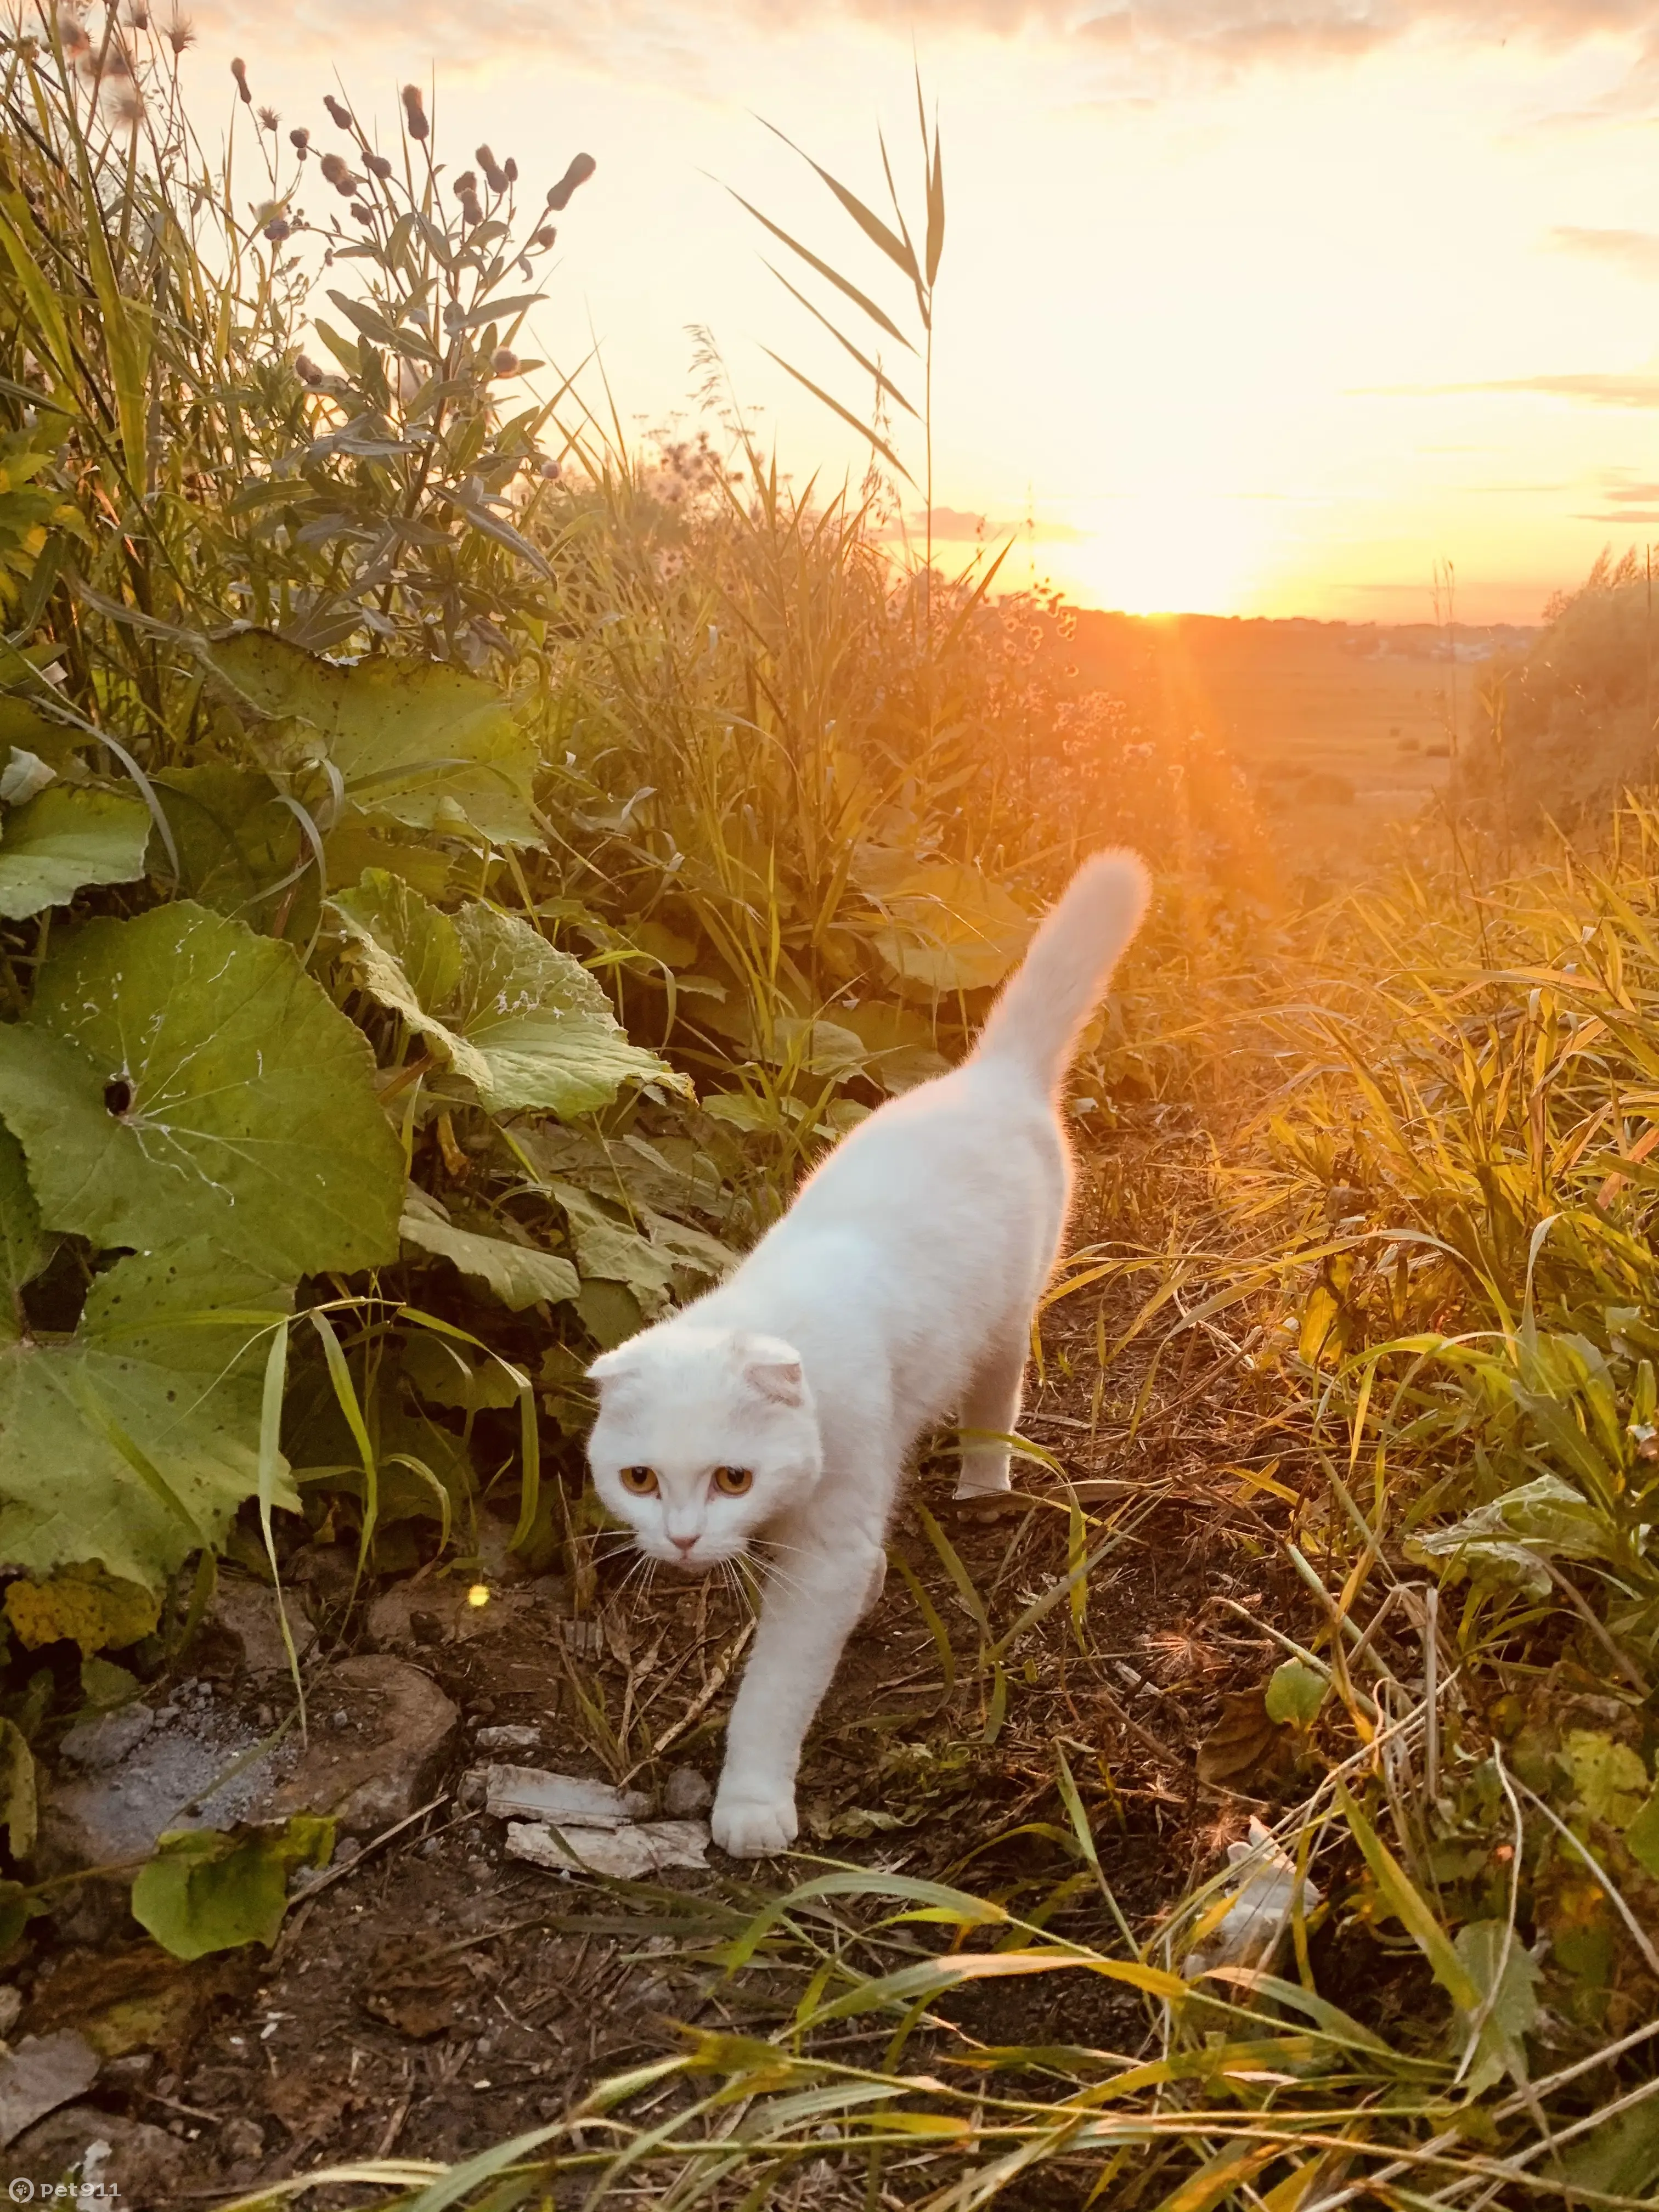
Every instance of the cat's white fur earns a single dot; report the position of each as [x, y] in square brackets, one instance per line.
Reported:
[898, 1290]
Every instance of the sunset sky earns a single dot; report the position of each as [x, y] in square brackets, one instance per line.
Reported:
[1253, 306]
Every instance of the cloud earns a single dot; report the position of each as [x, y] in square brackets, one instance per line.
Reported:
[1635, 495]
[1590, 387]
[1228, 35]
[960, 525]
[1636, 252]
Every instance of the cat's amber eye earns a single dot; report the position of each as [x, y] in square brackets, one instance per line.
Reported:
[732, 1481]
[640, 1481]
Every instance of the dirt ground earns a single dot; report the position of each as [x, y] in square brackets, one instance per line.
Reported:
[437, 1997]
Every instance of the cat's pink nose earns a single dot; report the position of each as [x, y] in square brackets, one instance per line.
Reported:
[684, 1543]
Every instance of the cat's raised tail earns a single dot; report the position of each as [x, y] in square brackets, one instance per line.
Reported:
[1048, 998]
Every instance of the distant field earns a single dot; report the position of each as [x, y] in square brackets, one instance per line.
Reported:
[1342, 729]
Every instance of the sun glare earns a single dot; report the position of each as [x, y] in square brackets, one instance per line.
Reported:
[1148, 556]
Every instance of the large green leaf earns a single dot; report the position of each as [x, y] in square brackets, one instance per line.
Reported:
[234, 838]
[207, 1890]
[518, 1276]
[24, 1248]
[64, 838]
[180, 1077]
[134, 1441]
[526, 1024]
[950, 928]
[414, 741]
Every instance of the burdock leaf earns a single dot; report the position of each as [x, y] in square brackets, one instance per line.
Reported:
[415, 742]
[524, 1023]
[65, 838]
[516, 1275]
[180, 1077]
[134, 1441]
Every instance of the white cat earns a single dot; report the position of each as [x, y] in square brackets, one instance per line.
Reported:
[897, 1290]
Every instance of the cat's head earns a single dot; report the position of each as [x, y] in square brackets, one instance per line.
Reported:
[703, 1435]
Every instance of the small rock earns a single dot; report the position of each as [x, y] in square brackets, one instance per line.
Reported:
[686, 1793]
[390, 1762]
[11, 2003]
[410, 1612]
[525, 1793]
[1255, 1924]
[510, 1735]
[126, 2162]
[242, 2138]
[248, 1609]
[627, 1853]
[42, 2073]
[106, 1740]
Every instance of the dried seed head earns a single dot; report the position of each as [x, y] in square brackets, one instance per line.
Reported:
[466, 182]
[455, 315]
[510, 170]
[72, 33]
[138, 16]
[495, 175]
[238, 71]
[549, 470]
[339, 175]
[362, 213]
[128, 108]
[118, 63]
[578, 173]
[307, 369]
[278, 228]
[415, 120]
[269, 118]
[377, 165]
[181, 33]
[504, 362]
[341, 115]
[544, 237]
[471, 212]
[300, 140]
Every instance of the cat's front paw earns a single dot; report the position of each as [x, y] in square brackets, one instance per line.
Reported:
[752, 1825]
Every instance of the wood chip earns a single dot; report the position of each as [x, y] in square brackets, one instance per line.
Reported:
[527, 1793]
[625, 1854]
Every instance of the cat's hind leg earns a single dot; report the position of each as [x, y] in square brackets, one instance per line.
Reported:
[990, 1411]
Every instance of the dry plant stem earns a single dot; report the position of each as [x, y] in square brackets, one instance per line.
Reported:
[718, 1676]
[1580, 1604]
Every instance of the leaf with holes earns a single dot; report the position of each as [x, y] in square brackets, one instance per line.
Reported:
[526, 1024]
[64, 839]
[416, 742]
[180, 1077]
[133, 1441]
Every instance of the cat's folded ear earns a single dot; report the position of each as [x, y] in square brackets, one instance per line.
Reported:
[772, 1369]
